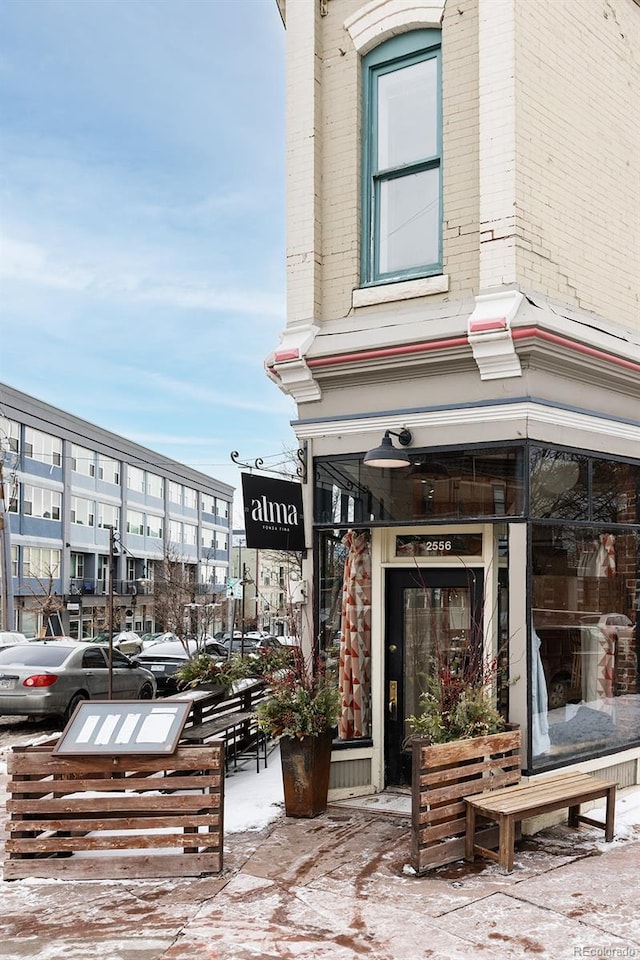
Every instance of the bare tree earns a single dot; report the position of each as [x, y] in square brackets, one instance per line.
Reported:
[48, 603]
[174, 588]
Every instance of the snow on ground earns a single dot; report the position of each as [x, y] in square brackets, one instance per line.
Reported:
[253, 800]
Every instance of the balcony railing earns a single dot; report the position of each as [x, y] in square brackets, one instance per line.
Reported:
[85, 586]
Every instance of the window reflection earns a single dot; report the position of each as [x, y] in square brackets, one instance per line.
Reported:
[584, 666]
[481, 483]
[615, 492]
[559, 485]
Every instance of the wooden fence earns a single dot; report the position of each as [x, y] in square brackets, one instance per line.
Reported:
[111, 817]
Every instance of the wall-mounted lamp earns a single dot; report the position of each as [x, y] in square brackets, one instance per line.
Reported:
[386, 455]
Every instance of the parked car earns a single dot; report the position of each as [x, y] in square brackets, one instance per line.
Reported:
[164, 659]
[8, 638]
[150, 639]
[224, 636]
[240, 645]
[128, 642]
[612, 625]
[289, 641]
[50, 677]
[267, 643]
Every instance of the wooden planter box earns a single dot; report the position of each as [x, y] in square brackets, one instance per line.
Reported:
[68, 816]
[443, 774]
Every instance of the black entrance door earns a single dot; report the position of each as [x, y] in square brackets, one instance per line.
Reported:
[429, 613]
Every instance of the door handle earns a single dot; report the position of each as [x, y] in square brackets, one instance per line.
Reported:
[392, 706]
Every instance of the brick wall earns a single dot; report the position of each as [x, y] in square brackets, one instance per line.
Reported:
[460, 146]
[337, 134]
[578, 188]
[540, 187]
[340, 206]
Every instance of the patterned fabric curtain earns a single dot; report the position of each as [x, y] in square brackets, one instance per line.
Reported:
[607, 555]
[355, 639]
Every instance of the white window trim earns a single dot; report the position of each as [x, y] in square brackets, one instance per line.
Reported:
[406, 290]
[379, 20]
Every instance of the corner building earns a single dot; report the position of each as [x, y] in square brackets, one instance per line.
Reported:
[463, 264]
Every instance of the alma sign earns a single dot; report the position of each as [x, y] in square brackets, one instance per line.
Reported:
[272, 513]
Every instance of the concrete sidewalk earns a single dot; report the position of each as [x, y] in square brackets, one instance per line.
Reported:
[337, 888]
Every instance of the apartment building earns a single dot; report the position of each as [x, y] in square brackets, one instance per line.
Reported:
[93, 515]
[269, 585]
[463, 346]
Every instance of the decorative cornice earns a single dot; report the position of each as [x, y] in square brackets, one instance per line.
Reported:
[522, 333]
[287, 365]
[431, 346]
[489, 334]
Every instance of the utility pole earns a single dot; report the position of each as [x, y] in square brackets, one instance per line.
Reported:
[6, 584]
[112, 540]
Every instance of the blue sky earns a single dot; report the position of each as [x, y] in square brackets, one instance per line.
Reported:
[142, 217]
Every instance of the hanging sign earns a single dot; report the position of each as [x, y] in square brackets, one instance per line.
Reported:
[272, 513]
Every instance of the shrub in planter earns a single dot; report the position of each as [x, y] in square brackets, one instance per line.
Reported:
[461, 745]
[302, 709]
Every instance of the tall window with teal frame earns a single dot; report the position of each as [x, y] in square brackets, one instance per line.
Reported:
[402, 159]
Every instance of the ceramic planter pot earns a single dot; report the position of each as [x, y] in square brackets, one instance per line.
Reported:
[306, 763]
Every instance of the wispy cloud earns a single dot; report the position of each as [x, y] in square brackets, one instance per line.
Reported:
[142, 266]
[214, 398]
[31, 263]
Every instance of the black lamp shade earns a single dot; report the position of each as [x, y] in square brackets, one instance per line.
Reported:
[386, 455]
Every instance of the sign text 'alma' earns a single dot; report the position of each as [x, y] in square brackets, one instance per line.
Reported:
[272, 513]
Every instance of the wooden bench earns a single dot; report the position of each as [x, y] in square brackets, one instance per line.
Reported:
[239, 732]
[511, 805]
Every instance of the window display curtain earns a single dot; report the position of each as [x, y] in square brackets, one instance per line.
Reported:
[541, 741]
[355, 639]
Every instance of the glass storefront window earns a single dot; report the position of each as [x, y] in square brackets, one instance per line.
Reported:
[584, 667]
[443, 544]
[559, 484]
[443, 486]
[331, 558]
[570, 486]
[615, 491]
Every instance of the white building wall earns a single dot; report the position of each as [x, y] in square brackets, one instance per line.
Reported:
[304, 149]
[497, 143]
[461, 148]
[540, 194]
[577, 73]
[337, 144]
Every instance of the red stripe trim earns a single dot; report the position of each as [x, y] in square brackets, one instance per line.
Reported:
[519, 333]
[389, 352]
[479, 326]
[281, 355]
